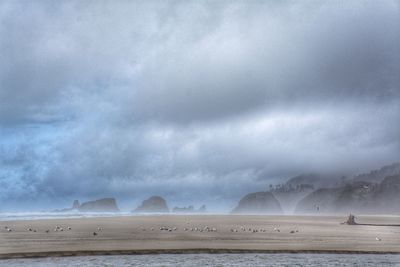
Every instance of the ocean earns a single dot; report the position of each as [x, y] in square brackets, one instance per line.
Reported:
[17, 216]
[220, 260]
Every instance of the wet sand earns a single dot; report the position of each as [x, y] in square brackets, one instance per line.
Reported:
[134, 235]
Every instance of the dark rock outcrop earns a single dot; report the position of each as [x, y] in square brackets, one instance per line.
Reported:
[153, 204]
[258, 203]
[100, 205]
[189, 209]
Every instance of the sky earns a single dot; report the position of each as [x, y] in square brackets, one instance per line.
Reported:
[196, 101]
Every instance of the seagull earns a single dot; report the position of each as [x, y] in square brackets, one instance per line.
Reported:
[94, 233]
[378, 239]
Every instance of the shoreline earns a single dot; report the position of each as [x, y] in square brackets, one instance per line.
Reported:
[52, 254]
[136, 215]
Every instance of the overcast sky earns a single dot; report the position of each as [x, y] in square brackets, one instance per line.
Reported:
[197, 101]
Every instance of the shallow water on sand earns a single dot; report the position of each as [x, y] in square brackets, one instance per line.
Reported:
[247, 260]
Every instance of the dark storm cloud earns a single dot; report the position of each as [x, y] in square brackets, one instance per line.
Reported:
[188, 61]
[217, 98]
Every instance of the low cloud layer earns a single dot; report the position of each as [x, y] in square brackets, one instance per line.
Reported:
[199, 101]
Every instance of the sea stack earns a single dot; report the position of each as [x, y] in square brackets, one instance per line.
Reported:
[258, 203]
[100, 205]
[153, 204]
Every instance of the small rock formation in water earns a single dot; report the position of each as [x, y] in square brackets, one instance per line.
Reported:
[258, 203]
[153, 204]
[189, 209]
[100, 205]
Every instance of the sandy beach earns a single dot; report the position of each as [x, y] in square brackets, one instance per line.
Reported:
[188, 233]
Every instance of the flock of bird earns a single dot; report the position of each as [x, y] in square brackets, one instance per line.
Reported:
[171, 229]
[255, 230]
[186, 229]
[213, 229]
[57, 228]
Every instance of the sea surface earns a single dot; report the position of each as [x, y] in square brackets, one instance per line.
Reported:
[17, 216]
[247, 260]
